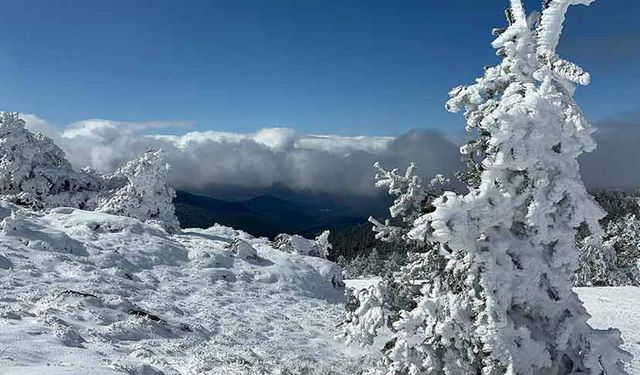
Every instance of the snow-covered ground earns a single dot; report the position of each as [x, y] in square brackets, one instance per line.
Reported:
[617, 307]
[90, 293]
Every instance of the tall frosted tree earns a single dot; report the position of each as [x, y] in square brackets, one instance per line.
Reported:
[498, 295]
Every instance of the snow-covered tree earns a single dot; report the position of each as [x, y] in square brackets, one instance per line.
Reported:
[394, 292]
[145, 194]
[374, 263]
[498, 295]
[598, 265]
[412, 200]
[34, 172]
[615, 259]
[356, 267]
[322, 244]
[624, 234]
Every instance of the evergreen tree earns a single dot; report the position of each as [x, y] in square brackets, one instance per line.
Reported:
[412, 200]
[623, 235]
[497, 297]
[374, 264]
[598, 264]
[613, 260]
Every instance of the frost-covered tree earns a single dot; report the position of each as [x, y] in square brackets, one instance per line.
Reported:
[395, 292]
[498, 295]
[412, 200]
[145, 194]
[624, 234]
[615, 259]
[374, 263]
[598, 264]
[34, 172]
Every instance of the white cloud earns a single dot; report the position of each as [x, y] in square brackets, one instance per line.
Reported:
[268, 157]
[318, 163]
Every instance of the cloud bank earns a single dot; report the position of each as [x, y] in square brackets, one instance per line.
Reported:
[616, 161]
[284, 157]
[269, 157]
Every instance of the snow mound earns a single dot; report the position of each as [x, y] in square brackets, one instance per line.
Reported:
[91, 293]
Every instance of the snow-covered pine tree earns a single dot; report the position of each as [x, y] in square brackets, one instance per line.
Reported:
[34, 172]
[395, 292]
[499, 296]
[598, 265]
[145, 194]
[374, 263]
[412, 200]
[356, 267]
[623, 236]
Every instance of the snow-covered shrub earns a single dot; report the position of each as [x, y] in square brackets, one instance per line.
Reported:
[242, 249]
[367, 313]
[34, 171]
[145, 195]
[497, 294]
[322, 244]
[318, 247]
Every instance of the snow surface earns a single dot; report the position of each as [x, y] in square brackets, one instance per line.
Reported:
[617, 307]
[91, 293]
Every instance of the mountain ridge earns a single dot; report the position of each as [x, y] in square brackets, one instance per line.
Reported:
[266, 214]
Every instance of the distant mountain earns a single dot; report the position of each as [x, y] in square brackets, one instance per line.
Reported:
[268, 214]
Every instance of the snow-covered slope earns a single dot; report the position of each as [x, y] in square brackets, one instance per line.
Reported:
[90, 293]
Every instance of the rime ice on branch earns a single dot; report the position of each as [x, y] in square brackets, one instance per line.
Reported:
[412, 200]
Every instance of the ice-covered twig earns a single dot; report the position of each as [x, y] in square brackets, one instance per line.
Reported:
[549, 30]
[551, 23]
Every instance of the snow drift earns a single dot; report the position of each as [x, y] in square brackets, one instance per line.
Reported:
[92, 293]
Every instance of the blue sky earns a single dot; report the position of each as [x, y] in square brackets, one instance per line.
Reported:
[342, 67]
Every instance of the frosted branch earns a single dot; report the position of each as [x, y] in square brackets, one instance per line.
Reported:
[551, 23]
